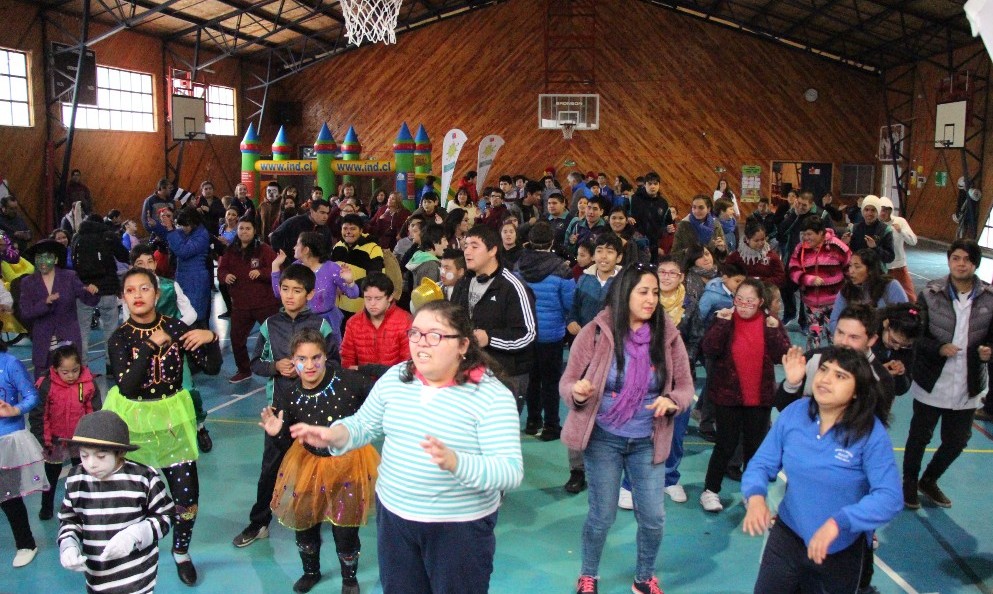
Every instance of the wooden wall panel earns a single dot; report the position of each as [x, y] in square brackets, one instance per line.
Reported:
[120, 168]
[677, 95]
[931, 207]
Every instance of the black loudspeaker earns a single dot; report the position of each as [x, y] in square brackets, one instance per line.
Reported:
[287, 113]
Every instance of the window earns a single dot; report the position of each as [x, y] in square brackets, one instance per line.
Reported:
[220, 111]
[856, 180]
[124, 102]
[14, 105]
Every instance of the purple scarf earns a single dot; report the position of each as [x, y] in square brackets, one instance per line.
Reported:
[637, 377]
[704, 229]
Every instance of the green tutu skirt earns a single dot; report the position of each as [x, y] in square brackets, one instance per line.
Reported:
[165, 430]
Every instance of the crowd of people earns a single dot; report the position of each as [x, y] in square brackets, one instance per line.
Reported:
[436, 329]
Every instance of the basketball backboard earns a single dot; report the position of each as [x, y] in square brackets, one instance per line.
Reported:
[558, 111]
[949, 124]
[189, 116]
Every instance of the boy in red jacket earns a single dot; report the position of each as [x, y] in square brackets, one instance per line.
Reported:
[376, 338]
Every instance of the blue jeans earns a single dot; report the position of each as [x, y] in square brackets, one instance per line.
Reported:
[606, 457]
[680, 424]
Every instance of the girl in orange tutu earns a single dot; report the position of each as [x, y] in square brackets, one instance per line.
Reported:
[314, 487]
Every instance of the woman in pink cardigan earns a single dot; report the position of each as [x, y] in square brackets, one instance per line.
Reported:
[628, 376]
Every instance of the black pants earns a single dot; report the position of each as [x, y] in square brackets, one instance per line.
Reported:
[785, 568]
[788, 292]
[272, 456]
[52, 471]
[184, 487]
[750, 424]
[518, 386]
[17, 515]
[956, 429]
[543, 387]
[346, 539]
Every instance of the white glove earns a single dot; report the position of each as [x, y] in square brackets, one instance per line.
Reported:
[135, 536]
[71, 559]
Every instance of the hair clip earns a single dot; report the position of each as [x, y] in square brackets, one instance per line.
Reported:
[912, 312]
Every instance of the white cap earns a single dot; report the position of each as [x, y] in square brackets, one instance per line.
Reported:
[885, 202]
[872, 201]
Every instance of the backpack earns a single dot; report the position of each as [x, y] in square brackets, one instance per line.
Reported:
[91, 258]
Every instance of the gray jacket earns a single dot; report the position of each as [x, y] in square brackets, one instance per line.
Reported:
[936, 306]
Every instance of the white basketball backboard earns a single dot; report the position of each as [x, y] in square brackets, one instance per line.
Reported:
[558, 110]
[189, 115]
[949, 125]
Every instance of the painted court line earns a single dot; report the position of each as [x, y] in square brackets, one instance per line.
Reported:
[236, 399]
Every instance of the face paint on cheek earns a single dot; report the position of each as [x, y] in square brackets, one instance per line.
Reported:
[45, 263]
[299, 367]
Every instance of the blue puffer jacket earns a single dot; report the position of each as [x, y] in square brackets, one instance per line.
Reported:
[550, 279]
[590, 297]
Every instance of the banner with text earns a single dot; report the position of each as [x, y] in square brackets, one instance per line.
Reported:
[454, 141]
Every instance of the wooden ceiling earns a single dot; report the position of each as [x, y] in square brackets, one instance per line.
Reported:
[867, 34]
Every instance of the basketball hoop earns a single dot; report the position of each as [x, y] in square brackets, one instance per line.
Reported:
[567, 129]
[372, 20]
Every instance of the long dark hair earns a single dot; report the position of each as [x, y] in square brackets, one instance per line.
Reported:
[316, 243]
[869, 403]
[455, 316]
[452, 222]
[875, 284]
[618, 300]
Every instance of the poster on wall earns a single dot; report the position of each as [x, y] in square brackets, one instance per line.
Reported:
[751, 183]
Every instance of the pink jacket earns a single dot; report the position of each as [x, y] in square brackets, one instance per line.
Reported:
[595, 351]
[826, 263]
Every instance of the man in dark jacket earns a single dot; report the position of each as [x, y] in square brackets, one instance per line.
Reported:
[650, 211]
[95, 253]
[550, 278]
[285, 236]
[950, 371]
[501, 307]
[872, 232]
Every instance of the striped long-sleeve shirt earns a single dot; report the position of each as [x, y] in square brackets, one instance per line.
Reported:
[94, 510]
[478, 421]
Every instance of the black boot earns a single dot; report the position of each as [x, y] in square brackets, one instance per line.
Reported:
[310, 555]
[349, 571]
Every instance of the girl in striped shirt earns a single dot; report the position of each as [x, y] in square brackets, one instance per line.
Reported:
[452, 446]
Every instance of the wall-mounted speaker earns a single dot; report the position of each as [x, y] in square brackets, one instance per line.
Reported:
[286, 113]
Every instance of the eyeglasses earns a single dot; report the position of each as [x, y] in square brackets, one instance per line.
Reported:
[433, 338]
[746, 300]
[896, 345]
[669, 273]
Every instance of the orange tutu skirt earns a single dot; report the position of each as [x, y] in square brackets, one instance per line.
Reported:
[311, 489]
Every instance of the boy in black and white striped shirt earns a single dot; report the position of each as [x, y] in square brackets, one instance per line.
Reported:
[114, 511]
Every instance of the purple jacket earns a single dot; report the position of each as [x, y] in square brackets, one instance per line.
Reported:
[56, 319]
[591, 357]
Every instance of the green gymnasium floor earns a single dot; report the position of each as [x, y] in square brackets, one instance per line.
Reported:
[538, 534]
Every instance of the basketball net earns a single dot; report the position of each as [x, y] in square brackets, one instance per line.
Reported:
[371, 20]
[567, 129]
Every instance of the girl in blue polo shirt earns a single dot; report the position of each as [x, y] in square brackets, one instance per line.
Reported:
[843, 481]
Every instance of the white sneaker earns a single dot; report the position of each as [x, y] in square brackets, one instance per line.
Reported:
[624, 500]
[677, 493]
[711, 502]
[24, 556]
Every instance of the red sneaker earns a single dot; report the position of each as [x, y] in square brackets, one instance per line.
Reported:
[586, 585]
[649, 587]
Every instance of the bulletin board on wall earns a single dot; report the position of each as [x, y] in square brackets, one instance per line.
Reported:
[751, 183]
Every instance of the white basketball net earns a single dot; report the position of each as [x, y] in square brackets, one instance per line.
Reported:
[567, 129]
[371, 20]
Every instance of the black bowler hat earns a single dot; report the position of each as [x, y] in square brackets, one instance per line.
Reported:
[102, 429]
